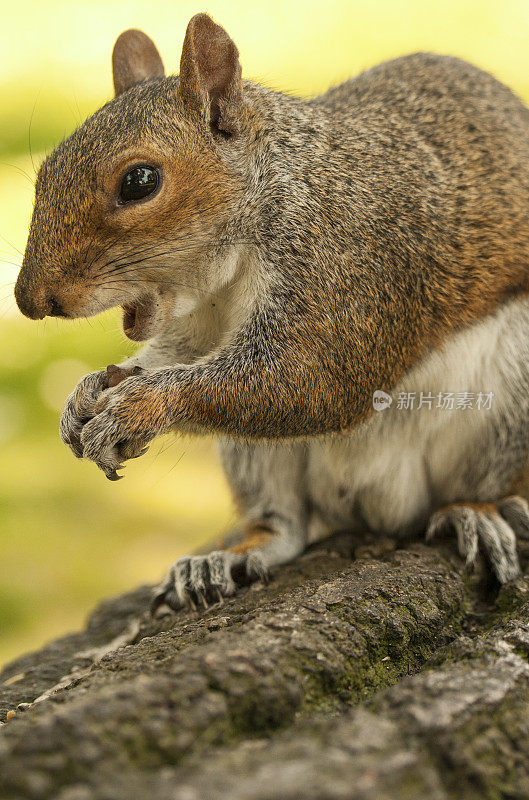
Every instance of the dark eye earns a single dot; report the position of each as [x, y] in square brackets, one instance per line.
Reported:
[138, 183]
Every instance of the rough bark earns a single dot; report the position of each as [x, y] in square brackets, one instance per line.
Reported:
[364, 670]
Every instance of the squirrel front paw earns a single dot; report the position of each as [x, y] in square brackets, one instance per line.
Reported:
[125, 420]
[83, 404]
[194, 580]
[79, 409]
[489, 527]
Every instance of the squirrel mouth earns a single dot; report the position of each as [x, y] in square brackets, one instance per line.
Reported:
[139, 319]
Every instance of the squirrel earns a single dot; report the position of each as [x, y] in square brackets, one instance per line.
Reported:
[288, 263]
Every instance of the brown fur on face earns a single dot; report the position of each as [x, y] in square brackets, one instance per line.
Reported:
[82, 240]
[81, 234]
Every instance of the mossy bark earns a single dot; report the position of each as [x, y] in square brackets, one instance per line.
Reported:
[362, 671]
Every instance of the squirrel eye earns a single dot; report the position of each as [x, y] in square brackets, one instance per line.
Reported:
[138, 183]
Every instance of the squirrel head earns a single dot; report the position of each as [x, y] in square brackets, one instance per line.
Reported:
[127, 207]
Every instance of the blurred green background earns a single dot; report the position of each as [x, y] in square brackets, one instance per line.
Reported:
[68, 537]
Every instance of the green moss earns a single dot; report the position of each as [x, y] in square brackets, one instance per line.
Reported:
[393, 642]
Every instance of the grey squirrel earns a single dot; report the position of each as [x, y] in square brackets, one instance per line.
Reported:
[288, 260]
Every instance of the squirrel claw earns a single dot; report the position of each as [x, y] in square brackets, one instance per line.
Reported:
[157, 601]
[220, 599]
[191, 602]
[112, 474]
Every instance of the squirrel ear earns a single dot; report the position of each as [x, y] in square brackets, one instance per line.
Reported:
[210, 73]
[134, 59]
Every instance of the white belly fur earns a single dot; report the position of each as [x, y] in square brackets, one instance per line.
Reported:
[393, 471]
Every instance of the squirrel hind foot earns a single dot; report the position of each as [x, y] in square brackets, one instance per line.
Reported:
[490, 528]
[199, 581]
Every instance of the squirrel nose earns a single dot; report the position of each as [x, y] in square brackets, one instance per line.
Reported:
[35, 304]
[35, 296]
[30, 303]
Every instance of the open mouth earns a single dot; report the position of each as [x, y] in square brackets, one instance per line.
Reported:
[140, 319]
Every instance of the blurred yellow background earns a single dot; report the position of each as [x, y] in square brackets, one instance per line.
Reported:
[67, 536]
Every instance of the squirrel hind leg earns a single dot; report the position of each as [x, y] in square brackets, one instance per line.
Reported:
[267, 482]
[490, 528]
